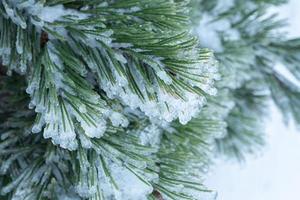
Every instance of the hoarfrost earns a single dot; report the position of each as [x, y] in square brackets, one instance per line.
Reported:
[164, 76]
[150, 135]
[58, 116]
[67, 195]
[129, 10]
[165, 106]
[118, 119]
[131, 187]
[53, 13]
[85, 191]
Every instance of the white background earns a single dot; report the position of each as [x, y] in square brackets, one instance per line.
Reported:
[275, 173]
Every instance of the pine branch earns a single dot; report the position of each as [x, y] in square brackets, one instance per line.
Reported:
[121, 96]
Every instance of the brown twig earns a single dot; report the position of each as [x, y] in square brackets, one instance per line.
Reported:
[157, 195]
[44, 39]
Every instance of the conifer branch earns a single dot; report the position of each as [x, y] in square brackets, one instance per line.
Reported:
[117, 100]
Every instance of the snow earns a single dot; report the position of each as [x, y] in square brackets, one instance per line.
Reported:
[165, 107]
[129, 10]
[274, 174]
[51, 14]
[164, 76]
[58, 116]
[38, 12]
[122, 183]
[118, 119]
[94, 130]
[150, 135]
[131, 187]
[85, 191]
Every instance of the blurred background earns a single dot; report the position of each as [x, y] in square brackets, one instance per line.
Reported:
[274, 174]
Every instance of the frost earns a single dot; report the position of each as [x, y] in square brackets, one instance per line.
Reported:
[165, 107]
[82, 108]
[19, 41]
[65, 137]
[118, 119]
[130, 186]
[59, 117]
[53, 13]
[85, 191]
[36, 128]
[165, 77]
[92, 130]
[103, 4]
[158, 66]
[120, 58]
[183, 109]
[150, 135]
[121, 45]
[85, 141]
[93, 39]
[14, 15]
[66, 195]
[55, 59]
[129, 10]
[39, 14]
[31, 7]
[106, 185]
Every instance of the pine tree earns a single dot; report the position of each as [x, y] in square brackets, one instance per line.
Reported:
[117, 99]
